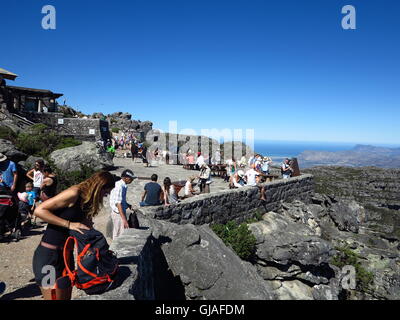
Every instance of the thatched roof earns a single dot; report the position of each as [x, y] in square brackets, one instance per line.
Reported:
[7, 74]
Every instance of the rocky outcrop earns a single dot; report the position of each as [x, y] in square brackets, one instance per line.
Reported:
[341, 225]
[12, 153]
[368, 185]
[294, 258]
[86, 154]
[207, 269]
[124, 121]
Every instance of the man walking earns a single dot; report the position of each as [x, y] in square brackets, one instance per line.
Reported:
[119, 204]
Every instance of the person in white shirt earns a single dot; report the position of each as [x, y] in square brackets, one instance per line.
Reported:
[119, 204]
[170, 195]
[189, 191]
[205, 178]
[200, 160]
[36, 175]
[252, 178]
[265, 165]
[237, 180]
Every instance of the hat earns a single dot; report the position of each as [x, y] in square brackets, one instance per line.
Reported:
[128, 174]
[241, 173]
[3, 157]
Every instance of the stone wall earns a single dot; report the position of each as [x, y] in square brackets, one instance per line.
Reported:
[236, 204]
[83, 129]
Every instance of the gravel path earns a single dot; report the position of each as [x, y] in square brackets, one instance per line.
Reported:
[16, 257]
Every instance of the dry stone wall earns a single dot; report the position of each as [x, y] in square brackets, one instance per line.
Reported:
[236, 204]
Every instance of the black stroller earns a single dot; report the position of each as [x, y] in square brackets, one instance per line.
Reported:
[10, 217]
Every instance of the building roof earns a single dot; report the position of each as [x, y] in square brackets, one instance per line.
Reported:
[35, 92]
[7, 74]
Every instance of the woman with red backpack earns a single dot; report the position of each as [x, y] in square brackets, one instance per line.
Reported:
[72, 209]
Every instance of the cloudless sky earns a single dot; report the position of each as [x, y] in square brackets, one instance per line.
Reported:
[286, 69]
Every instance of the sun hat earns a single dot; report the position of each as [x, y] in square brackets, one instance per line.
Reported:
[128, 174]
[3, 157]
[241, 173]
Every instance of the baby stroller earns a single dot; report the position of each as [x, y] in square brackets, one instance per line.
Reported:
[10, 218]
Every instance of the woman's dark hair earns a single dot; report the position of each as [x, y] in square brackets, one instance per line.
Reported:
[47, 169]
[167, 184]
[40, 162]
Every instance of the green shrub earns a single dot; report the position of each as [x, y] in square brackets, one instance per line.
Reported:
[40, 141]
[68, 179]
[7, 134]
[345, 257]
[115, 130]
[238, 237]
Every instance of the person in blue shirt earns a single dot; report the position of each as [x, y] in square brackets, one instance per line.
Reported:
[8, 173]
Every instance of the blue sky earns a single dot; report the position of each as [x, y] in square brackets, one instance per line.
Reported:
[286, 69]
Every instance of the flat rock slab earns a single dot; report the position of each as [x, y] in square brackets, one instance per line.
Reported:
[129, 249]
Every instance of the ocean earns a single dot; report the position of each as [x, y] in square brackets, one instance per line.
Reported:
[279, 150]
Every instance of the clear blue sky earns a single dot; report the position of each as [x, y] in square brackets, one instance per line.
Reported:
[285, 68]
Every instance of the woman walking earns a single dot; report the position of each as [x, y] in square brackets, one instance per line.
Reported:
[72, 209]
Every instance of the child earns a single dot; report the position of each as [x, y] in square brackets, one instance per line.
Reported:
[27, 201]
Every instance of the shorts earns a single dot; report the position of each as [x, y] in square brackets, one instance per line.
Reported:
[47, 257]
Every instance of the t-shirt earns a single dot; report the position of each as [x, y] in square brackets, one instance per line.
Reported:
[251, 177]
[153, 193]
[7, 169]
[172, 197]
[187, 188]
[37, 178]
[31, 197]
[265, 166]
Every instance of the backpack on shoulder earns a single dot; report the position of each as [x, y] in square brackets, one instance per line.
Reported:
[96, 265]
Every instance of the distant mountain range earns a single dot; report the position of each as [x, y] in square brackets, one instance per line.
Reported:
[359, 156]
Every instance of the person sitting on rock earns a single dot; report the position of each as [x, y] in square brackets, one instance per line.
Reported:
[170, 195]
[152, 195]
[237, 180]
[205, 178]
[252, 178]
[189, 191]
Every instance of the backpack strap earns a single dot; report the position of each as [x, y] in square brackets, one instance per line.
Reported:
[67, 254]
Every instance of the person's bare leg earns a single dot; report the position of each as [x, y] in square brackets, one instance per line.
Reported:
[60, 294]
[263, 194]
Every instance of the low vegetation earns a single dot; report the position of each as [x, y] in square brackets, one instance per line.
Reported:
[68, 179]
[345, 257]
[238, 237]
[40, 141]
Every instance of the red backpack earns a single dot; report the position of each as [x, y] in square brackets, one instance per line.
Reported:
[96, 265]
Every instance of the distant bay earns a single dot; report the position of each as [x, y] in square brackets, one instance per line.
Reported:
[278, 150]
